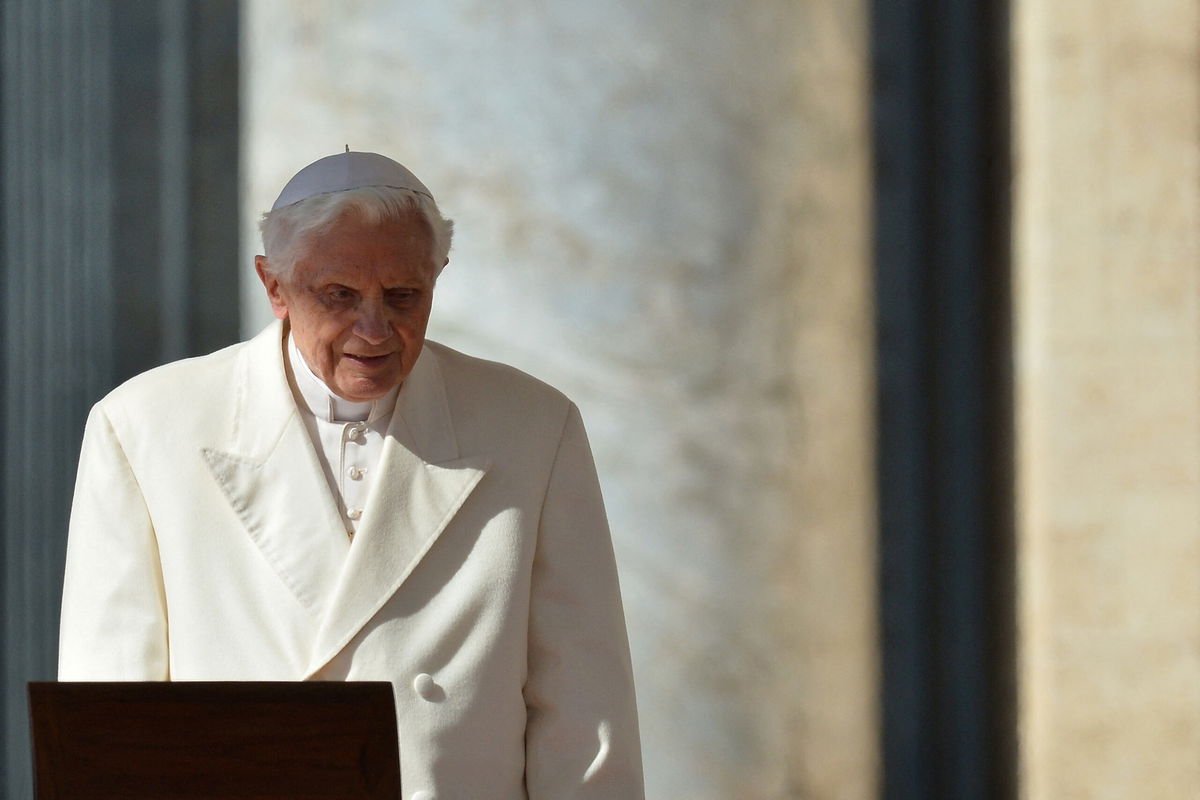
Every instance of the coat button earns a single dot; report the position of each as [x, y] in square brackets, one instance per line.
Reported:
[424, 686]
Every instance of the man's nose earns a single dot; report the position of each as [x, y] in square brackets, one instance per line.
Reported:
[372, 325]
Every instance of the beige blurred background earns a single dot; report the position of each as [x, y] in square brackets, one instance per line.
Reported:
[656, 216]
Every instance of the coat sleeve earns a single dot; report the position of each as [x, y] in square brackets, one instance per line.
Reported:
[114, 620]
[582, 731]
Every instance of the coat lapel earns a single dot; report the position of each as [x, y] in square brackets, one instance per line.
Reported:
[269, 472]
[421, 485]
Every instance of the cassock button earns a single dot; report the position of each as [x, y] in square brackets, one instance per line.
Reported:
[424, 686]
[354, 513]
[423, 795]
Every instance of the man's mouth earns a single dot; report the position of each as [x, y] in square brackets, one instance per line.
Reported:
[368, 361]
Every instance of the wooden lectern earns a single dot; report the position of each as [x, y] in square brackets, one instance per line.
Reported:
[218, 741]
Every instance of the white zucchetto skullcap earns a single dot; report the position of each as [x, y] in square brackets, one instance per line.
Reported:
[348, 171]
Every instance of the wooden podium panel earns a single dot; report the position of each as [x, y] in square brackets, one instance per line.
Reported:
[243, 741]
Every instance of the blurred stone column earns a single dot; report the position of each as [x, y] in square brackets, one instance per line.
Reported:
[118, 168]
[662, 209]
[57, 302]
[1107, 252]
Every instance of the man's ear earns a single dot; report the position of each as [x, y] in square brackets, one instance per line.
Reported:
[272, 285]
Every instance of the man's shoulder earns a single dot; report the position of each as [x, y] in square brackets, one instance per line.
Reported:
[176, 376]
[183, 383]
[492, 381]
[490, 401]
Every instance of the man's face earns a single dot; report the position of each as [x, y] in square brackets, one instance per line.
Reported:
[358, 302]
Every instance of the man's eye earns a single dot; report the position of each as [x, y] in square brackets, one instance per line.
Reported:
[401, 296]
[340, 295]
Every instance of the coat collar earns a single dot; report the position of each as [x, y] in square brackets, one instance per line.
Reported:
[268, 469]
[421, 484]
[269, 472]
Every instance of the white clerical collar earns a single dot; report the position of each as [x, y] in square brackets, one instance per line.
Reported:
[324, 403]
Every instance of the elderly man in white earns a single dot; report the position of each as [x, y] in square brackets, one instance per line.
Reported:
[340, 499]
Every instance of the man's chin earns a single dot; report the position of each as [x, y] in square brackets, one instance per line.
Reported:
[365, 389]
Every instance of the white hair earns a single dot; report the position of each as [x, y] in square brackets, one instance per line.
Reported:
[288, 232]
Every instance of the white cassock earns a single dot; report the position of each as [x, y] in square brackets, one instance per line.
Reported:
[206, 544]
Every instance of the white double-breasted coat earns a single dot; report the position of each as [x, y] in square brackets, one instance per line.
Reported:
[205, 545]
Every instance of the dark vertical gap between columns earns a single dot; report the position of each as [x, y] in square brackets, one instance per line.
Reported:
[137, 223]
[902, 233]
[173, 134]
[940, 129]
[213, 231]
[999, 387]
[8, 46]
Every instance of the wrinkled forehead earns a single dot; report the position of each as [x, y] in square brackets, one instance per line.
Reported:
[389, 249]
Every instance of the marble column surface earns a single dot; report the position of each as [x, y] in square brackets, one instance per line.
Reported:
[1107, 212]
[661, 209]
